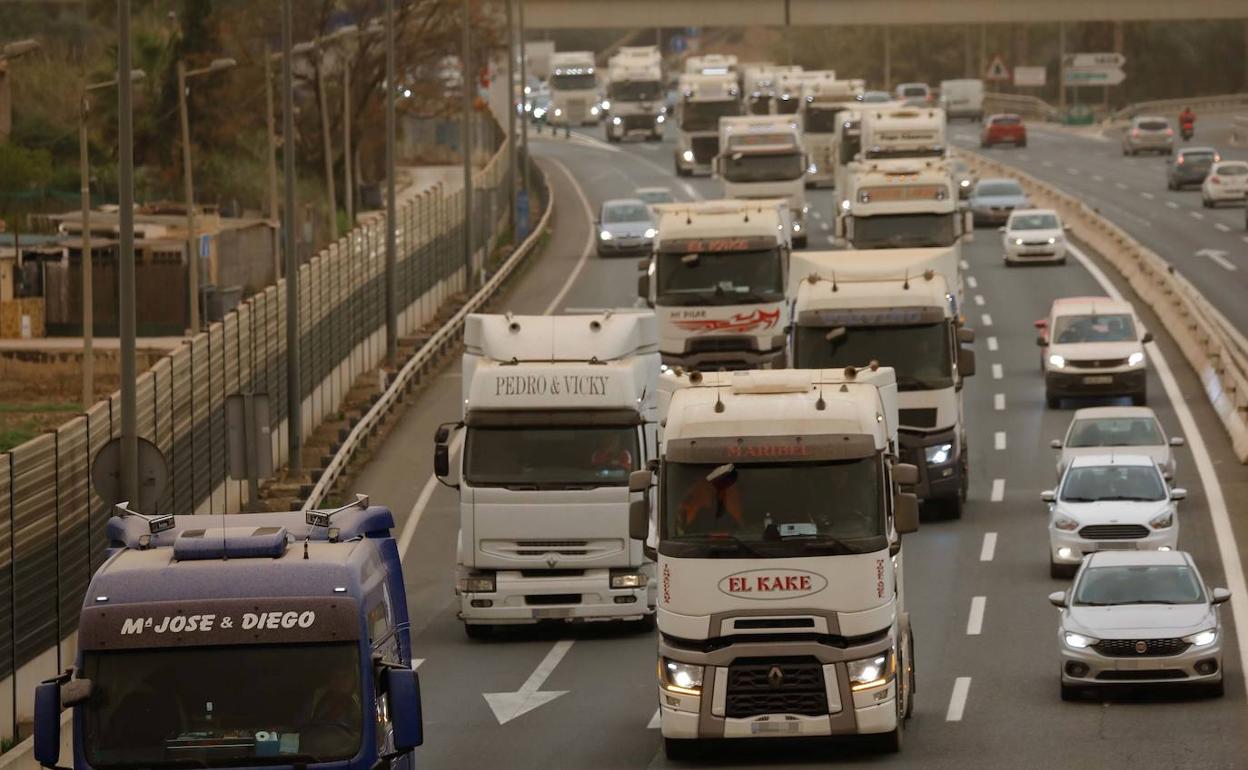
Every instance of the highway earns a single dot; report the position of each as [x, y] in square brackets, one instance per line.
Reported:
[987, 663]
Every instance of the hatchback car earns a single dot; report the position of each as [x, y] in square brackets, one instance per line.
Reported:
[1142, 617]
[1006, 128]
[1227, 182]
[1190, 166]
[914, 94]
[1148, 134]
[1092, 346]
[1110, 502]
[1034, 235]
[875, 97]
[625, 226]
[992, 200]
[1098, 429]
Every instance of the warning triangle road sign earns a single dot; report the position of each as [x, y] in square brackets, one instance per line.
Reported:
[997, 70]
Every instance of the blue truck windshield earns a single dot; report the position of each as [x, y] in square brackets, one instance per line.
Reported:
[217, 707]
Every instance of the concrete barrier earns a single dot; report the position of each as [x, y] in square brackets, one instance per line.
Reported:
[1215, 349]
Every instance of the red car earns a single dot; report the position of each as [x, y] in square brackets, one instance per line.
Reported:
[1006, 128]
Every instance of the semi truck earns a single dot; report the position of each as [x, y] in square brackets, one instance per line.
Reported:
[634, 103]
[557, 411]
[904, 203]
[900, 307]
[573, 89]
[795, 89]
[891, 132]
[828, 103]
[703, 100]
[241, 641]
[716, 280]
[711, 64]
[764, 156]
[759, 83]
[778, 522]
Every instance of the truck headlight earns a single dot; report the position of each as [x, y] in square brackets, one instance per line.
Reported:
[812, 169]
[938, 454]
[683, 678]
[617, 121]
[1136, 358]
[1202, 638]
[650, 232]
[797, 226]
[606, 104]
[687, 155]
[660, 119]
[626, 579]
[1065, 523]
[870, 672]
[1163, 520]
[1078, 641]
[594, 110]
[478, 583]
[964, 183]
[1052, 241]
[1057, 362]
[1018, 241]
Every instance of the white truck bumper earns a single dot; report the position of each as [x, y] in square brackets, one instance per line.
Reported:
[519, 599]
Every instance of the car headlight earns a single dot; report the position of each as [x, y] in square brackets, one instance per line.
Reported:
[1052, 241]
[1078, 641]
[684, 678]
[687, 155]
[797, 227]
[1162, 520]
[1065, 523]
[604, 235]
[629, 580]
[1018, 241]
[1202, 638]
[1056, 361]
[478, 583]
[870, 672]
[938, 454]
[1136, 358]
[593, 110]
[606, 104]
[558, 111]
[660, 119]
[964, 183]
[650, 232]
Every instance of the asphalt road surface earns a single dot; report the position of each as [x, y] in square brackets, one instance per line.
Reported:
[987, 688]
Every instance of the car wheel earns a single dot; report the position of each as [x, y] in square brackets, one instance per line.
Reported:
[476, 631]
[680, 748]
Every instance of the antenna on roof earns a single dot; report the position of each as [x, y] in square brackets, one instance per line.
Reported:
[820, 405]
[905, 282]
[315, 518]
[155, 524]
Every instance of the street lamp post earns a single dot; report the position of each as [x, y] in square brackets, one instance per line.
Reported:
[192, 251]
[392, 311]
[10, 51]
[294, 397]
[125, 262]
[271, 130]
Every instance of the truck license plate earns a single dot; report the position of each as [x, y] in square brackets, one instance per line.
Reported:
[547, 613]
[771, 728]
[1098, 379]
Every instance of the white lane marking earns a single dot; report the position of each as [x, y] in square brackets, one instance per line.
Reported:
[589, 240]
[992, 343]
[1098, 178]
[1147, 196]
[997, 372]
[1171, 205]
[832, 239]
[998, 491]
[970, 281]
[422, 500]
[964, 264]
[1072, 171]
[655, 721]
[816, 215]
[690, 191]
[824, 226]
[596, 143]
[979, 300]
[989, 548]
[509, 705]
[1046, 163]
[957, 701]
[1224, 534]
[975, 622]
[998, 441]
[1024, 157]
[416, 663]
[1120, 185]
[998, 402]
[986, 320]
[1196, 215]
[1218, 257]
[1221, 227]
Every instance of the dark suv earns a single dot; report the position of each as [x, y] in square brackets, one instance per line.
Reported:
[1189, 166]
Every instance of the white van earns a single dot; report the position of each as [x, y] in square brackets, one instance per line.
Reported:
[963, 98]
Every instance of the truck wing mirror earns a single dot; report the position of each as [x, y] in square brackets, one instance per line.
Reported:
[1041, 341]
[643, 286]
[48, 723]
[639, 519]
[76, 691]
[906, 513]
[839, 227]
[442, 434]
[1041, 324]
[968, 225]
[403, 691]
[643, 264]
[966, 362]
[905, 474]
[966, 335]
[639, 481]
[441, 460]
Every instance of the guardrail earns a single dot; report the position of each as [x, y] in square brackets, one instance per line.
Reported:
[1214, 348]
[446, 336]
[1029, 107]
[1206, 104]
[1239, 130]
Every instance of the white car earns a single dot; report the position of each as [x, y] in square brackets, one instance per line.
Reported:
[1110, 502]
[1097, 429]
[1226, 182]
[1034, 235]
[1140, 618]
[655, 195]
[1093, 346]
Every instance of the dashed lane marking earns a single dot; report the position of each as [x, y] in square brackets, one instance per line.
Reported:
[998, 490]
[1221, 227]
[992, 343]
[970, 281]
[997, 371]
[989, 548]
[1171, 205]
[1147, 196]
[1098, 178]
[957, 701]
[998, 441]
[975, 621]
[1120, 185]
[979, 300]
[998, 402]
[1195, 215]
[986, 320]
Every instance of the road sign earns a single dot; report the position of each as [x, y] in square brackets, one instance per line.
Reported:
[1093, 60]
[1029, 76]
[153, 475]
[997, 70]
[1093, 76]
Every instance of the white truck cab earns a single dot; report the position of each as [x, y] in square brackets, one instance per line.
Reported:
[634, 103]
[899, 307]
[573, 89]
[711, 64]
[759, 83]
[828, 103]
[890, 132]
[558, 411]
[717, 280]
[778, 530]
[702, 101]
[903, 203]
[764, 156]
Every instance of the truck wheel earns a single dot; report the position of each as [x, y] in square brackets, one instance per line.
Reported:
[476, 631]
[680, 748]
[952, 507]
[908, 668]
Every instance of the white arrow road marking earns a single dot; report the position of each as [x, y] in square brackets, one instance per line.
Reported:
[975, 622]
[1218, 257]
[655, 722]
[509, 705]
[998, 490]
[989, 547]
[957, 701]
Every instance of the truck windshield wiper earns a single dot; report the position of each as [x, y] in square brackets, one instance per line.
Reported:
[820, 542]
[722, 539]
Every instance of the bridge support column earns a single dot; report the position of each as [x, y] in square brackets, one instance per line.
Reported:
[888, 58]
[1061, 69]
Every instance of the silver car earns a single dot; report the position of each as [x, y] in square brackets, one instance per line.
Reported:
[1148, 134]
[1141, 617]
[1096, 429]
[625, 226]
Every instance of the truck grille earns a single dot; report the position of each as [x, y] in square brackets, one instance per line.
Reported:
[704, 148]
[638, 122]
[1113, 532]
[776, 686]
[1128, 648]
[539, 550]
[719, 343]
[1101, 363]
[917, 418]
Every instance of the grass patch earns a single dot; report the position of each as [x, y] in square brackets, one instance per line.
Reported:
[20, 422]
[39, 408]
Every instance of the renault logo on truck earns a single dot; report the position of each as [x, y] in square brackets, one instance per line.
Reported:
[773, 584]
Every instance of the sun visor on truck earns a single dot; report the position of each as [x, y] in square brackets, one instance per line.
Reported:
[770, 449]
[871, 316]
[213, 622]
[550, 418]
[713, 245]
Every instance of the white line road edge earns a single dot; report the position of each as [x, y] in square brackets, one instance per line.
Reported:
[1222, 529]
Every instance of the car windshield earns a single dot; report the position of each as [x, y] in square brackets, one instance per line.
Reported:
[656, 196]
[1197, 156]
[822, 120]
[920, 354]
[214, 707]
[626, 212]
[904, 231]
[1115, 431]
[1114, 327]
[788, 106]
[1233, 169]
[704, 116]
[1007, 120]
[543, 457]
[578, 82]
[635, 91]
[851, 142]
[1153, 125]
[772, 510]
[720, 278]
[1092, 483]
[998, 189]
[763, 167]
[914, 90]
[1034, 222]
[1139, 584]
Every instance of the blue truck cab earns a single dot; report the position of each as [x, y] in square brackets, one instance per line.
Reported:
[245, 640]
